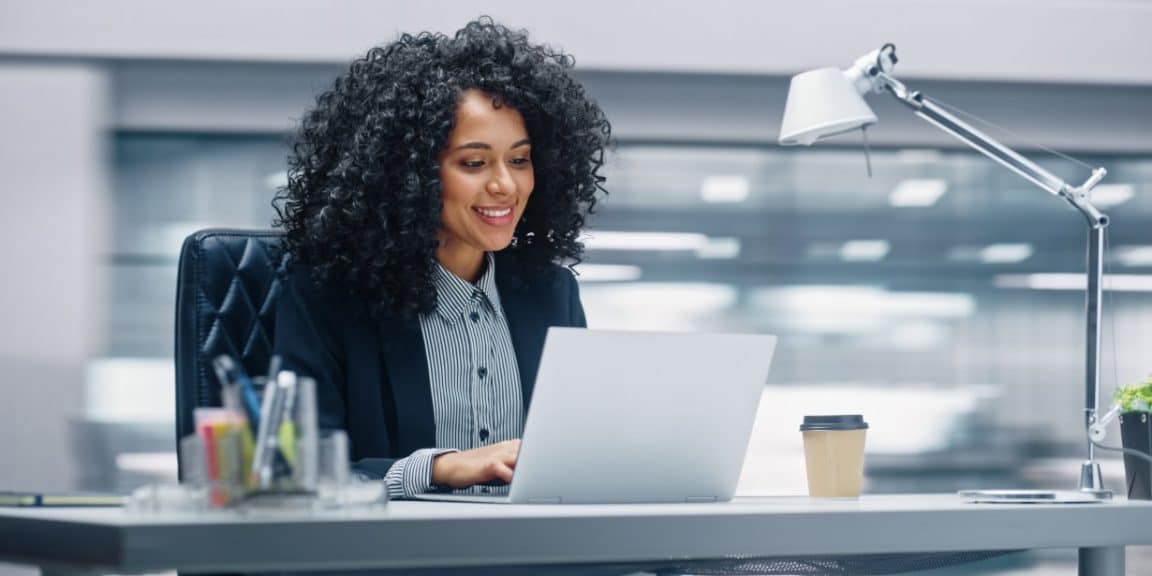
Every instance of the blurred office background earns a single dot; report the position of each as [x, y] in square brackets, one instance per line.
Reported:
[941, 297]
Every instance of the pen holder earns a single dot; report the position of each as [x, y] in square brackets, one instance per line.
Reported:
[283, 461]
[286, 444]
[333, 488]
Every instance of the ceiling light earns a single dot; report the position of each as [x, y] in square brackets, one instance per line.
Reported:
[917, 193]
[612, 240]
[1105, 195]
[607, 273]
[1134, 255]
[919, 155]
[855, 309]
[663, 306]
[720, 249]
[864, 250]
[920, 335]
[1005, 253]
[1114, 282]
[721, 189]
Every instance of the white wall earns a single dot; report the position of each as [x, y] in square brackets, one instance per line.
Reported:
[52, 241]
[1079, 41]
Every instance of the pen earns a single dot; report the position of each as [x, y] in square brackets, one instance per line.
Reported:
[269, 461]
[287, 431]
[265, 441]
[212, 457]
[274, 367]
[231, 374]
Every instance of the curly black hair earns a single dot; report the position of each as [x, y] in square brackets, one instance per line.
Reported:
[363, 200]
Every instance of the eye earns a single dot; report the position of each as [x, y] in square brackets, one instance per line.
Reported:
[521, 161]
[472, 164]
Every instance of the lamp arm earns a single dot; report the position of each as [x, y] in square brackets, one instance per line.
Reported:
[870, 72]
[1076, 196]
[925, 108]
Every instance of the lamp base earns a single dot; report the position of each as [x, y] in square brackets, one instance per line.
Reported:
[1091, 480]
[1035, 496]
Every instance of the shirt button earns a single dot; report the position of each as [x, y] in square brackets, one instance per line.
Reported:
[483, 434]
[482, 371]
[474, 316]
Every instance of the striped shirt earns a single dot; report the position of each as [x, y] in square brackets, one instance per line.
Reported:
[475, 383]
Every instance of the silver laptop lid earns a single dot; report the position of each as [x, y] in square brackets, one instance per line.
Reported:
[622, 416]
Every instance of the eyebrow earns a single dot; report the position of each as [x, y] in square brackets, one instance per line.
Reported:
[486, 146]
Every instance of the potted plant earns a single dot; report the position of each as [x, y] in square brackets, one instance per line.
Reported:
[1135, 402]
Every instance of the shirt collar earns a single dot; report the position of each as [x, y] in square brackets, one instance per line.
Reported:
[453, 294]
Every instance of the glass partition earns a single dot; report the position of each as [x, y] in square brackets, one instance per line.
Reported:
[942, 297]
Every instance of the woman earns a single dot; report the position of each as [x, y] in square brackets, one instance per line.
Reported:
[433, 193]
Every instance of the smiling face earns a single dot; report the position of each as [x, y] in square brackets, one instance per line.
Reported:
[487, 176]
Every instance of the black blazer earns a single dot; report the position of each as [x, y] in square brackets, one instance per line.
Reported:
[372, 376]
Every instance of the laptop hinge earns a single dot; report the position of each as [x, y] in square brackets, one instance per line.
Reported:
[545, 500]
[700, 499]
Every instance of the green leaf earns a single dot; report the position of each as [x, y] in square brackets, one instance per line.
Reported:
[1135, 397]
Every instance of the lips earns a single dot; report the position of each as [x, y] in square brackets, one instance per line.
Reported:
[494, 216]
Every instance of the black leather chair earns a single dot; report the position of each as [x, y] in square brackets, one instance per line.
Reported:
[225, 304]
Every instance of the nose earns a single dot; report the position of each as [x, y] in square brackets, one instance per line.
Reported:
[501, 183]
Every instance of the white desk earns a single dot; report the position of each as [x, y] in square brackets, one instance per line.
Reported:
[427, 534]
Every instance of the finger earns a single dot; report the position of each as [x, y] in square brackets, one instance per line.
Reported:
[509, 459]
[502, 471]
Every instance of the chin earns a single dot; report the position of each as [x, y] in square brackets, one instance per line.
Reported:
[486, 242]
[498, 246]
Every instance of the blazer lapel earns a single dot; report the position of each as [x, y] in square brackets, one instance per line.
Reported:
[407, 368]
[526, 324]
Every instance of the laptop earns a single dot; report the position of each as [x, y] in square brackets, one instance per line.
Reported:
[637, 417]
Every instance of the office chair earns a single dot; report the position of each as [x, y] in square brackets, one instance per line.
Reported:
[225, 304]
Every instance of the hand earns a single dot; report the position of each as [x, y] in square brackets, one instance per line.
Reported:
[476, 466]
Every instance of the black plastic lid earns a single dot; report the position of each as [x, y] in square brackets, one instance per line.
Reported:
[834, 422]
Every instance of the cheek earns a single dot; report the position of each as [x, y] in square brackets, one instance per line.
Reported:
[454, 189]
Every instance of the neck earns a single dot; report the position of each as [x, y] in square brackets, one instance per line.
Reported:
[466, 263]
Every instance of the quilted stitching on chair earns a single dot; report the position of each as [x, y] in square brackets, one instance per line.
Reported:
[229, 279]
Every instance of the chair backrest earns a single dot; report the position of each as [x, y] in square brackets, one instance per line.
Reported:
[225, 304]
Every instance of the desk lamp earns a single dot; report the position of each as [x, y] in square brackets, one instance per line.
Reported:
[829, 101]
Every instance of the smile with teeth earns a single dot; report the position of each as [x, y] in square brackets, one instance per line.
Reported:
[494, 216]
[497, 213]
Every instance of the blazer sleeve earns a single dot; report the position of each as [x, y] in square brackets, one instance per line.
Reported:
[575, 307]
[312, 323]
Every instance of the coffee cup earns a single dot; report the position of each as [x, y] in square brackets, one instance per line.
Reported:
[834, 454]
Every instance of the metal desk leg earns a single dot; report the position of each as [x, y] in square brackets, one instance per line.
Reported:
[1102, 561]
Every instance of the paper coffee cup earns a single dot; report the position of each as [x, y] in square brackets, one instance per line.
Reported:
[834, 454]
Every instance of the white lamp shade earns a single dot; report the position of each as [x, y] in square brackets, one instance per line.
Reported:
[822, 103]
